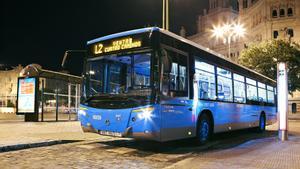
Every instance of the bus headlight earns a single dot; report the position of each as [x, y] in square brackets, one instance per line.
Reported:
[82, 113]
[144, 113]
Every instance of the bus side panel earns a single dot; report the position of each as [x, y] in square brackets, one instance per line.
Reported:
[146, 128]
[177, 119]
[233, 116]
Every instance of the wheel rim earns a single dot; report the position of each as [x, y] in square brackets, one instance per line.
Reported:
[204, 130]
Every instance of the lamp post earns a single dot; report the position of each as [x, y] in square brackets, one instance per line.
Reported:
[165, 16]
[229, 32]
[67, 52]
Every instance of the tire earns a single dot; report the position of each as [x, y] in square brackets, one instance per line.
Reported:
[204, 129]
[262, 123]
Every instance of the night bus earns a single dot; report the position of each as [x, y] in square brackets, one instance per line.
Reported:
[153, 84]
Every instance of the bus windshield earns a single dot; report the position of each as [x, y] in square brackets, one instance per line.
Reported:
[120, 76]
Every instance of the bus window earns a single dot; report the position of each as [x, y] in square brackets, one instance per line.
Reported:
[239, 88]
[205, 74]
[173, 76]
[224, 85]
[251, 89]
[262, 93]
[182, 78]
[176, 76]
[270, 94]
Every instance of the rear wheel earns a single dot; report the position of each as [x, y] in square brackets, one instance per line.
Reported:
[262, 123]
[204, 129]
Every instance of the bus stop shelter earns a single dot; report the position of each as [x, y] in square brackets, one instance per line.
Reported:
[45, 95]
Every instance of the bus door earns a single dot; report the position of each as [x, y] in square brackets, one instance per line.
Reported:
[176, 109]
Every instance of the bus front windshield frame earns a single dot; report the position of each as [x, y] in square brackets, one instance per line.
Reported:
[120, 76]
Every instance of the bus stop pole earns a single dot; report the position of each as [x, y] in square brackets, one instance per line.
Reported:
[282, 100]
[42, 99]
[56, 98]
[69, 100]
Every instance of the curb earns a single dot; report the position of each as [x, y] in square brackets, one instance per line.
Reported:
[33, 145]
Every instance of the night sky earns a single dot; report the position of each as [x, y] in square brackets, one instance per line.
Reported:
[40, 31]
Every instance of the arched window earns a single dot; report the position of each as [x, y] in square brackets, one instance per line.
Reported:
[275, 34]
[290, 32]
[245, 4]
[290, 12]
[282, 12]
[274, 13]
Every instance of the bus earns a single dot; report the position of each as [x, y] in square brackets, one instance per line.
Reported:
[152, 84]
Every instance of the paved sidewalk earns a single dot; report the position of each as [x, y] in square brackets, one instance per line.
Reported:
[266, 153]
[18, 135]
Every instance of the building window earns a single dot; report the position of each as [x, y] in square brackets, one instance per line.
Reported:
[274, 13]
[275, 34]
[290, 12]
[290, 32]
[282, 12]
[245, 4]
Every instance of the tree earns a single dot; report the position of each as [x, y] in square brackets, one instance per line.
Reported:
[263, 58]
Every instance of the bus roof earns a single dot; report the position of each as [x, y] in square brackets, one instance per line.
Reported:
[126, 33]
[173, 35]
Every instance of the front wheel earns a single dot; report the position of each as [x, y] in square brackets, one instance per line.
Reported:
[204, 129]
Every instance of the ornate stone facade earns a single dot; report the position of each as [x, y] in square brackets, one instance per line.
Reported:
[262, 19]
[220, 12]
[270, 19]
[8, 86]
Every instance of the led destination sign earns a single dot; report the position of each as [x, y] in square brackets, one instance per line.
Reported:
[116, 45]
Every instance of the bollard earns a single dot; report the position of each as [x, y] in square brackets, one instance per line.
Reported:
[282, 100]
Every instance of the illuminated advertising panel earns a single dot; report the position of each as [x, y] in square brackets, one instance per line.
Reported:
[26, 95]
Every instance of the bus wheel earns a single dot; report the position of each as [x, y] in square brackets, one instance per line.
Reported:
[262, 123]
[203, 129]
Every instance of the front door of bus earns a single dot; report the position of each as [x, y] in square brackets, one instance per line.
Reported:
[176, 109]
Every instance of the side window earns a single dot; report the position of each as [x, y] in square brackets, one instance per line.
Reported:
[282, 12]
[251, 89]
[239, 88]
[205, 76]
[274, 13]
[270, 94]
[224, 85]
[174, 74]
[262, 93]
[290, 12]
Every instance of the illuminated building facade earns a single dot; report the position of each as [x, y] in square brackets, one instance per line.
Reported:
[262, 19]
[8, 86]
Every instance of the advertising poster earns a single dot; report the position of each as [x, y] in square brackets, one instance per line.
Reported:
[26, 95]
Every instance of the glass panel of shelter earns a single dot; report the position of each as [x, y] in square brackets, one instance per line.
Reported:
[60, 100]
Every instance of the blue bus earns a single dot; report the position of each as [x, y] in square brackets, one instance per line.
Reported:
[153, 84]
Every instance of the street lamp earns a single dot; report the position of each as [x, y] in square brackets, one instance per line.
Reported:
[165, 16]
[67, 52]
[228, 32]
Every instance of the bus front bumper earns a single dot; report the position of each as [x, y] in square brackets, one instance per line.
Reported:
[128, 133]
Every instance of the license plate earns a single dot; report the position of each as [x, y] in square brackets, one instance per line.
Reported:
[110, 133]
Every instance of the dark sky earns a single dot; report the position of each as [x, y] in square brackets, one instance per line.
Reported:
[36, 31]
